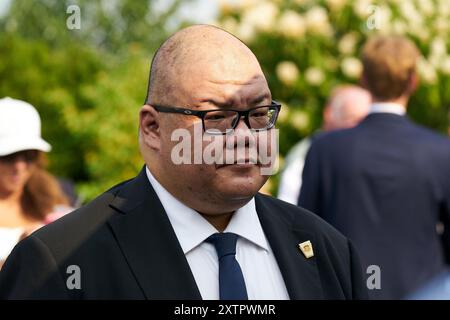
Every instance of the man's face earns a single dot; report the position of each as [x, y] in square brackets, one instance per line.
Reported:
[224, 84]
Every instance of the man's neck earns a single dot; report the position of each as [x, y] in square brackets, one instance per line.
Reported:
[218, 221]
[403, 101]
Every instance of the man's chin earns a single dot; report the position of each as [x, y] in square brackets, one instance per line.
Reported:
[241, 188]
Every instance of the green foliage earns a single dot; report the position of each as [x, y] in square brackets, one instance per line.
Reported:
[109, 25]
[88, 85]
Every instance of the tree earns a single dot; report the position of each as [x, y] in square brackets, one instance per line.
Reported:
[87, 84]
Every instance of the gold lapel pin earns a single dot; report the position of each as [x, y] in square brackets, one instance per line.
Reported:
[307, 249]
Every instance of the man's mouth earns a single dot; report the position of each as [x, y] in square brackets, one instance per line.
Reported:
[243, 162]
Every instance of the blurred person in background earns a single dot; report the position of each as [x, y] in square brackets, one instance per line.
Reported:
[29, 196]
[346, 107]
[386, 182]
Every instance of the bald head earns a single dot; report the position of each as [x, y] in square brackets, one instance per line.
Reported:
[189, 50]
[347, 106]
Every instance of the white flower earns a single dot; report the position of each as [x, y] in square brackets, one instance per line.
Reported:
[438, 47]
[261, 16]
[246, 4]
[351, 67]
[299, 120]
[443, 8]
[426, 7]
[362, 8]
[317, 21]
[301, 2]
[314, 76]
[336, 5]
[230, 24]
[399, 27]
[445, 65]
[347, 43]
[283, 115]
[421, 32]
[291, 24]
[226, 6]
[426, 71]
[378, 18]
[410, 13]
[287, 72]
[246, 32]
[438, 51]
[441, 25]
[384, 16]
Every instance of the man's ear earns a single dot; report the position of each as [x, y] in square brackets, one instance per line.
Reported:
[327, 118]
[413, 82]
[149, 129]
[363, 81]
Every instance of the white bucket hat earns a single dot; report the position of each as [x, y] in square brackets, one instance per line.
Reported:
[20, 127]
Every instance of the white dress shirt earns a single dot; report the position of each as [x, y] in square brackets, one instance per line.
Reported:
[387, 107]
[9, 237]
[262, 275]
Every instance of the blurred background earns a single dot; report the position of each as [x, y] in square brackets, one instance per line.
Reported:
[88, 83]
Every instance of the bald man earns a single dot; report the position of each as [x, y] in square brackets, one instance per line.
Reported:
[187, 227]
[345, 108]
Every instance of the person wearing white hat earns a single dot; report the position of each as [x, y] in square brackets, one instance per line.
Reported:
[20, 127]
[28, 194]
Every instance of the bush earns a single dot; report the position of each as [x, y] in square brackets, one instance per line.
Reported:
[307, 47]
[87, 84]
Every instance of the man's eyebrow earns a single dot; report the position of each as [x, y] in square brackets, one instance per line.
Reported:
[217, 103]
[260, 98]
[253, 101]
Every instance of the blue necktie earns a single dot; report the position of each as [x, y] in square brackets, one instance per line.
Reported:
[231, 280]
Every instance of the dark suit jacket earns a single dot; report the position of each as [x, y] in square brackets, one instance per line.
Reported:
[126, 248]
[384, 184]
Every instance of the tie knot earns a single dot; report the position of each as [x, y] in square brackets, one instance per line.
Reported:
[225, 243]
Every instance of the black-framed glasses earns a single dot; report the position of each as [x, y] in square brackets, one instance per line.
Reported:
[223, 121]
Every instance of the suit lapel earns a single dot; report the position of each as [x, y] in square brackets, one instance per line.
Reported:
[301, 275]
[151, 248]
[149, 244]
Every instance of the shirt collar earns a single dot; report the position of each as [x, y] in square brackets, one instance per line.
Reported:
[192, 229]
[388, 107]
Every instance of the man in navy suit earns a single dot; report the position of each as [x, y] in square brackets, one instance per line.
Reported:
[385, 183]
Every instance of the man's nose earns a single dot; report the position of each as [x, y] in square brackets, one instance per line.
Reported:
[242, 124]
[243, 135]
